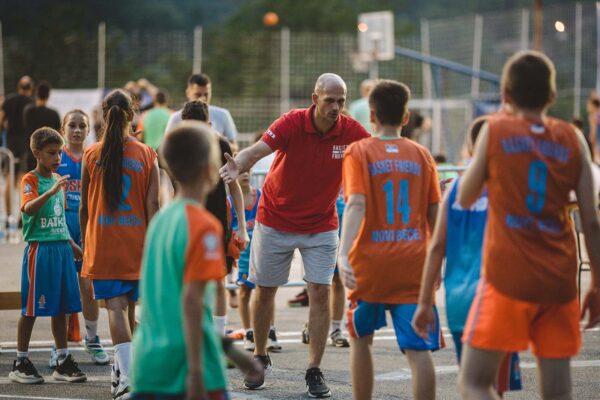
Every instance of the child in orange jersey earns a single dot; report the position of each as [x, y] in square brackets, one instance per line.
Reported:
[119, 196]
[392, 192]
[527, 295]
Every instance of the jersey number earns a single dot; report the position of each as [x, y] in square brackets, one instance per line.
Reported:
[125, 188]
[536, 197]
[401, 205]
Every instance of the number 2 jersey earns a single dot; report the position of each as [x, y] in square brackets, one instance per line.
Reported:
[399, 181]
[114, 240]
[529, 248]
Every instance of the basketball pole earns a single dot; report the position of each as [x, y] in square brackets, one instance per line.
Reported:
[197, 61]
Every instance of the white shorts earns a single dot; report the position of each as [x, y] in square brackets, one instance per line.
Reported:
[272, 251]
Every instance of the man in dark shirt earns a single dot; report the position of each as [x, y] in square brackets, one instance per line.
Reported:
[38, 115]
[11, 118]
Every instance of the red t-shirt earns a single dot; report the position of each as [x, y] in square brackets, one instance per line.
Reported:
[300, 190]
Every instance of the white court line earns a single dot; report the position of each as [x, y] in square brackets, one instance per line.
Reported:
[405, 375]
[45, 345]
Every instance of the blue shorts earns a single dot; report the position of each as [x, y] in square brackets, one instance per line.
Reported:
[109, 288]
[509, 375]
[218, 395]
[365, 318]
[72, 218]
[49, 284]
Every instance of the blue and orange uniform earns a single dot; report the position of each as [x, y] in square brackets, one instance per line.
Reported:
[49, 284]
[71, 165]
[114, 239]
[244, 260]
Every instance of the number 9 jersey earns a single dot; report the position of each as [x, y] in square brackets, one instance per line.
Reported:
[399, 180]
[529, 249]
[114, 240]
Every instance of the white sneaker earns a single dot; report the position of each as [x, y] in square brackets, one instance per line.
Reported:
[122, 392]
[114, 380]
[53, 361]
[96, 351]
[249, 341]
[273, 343]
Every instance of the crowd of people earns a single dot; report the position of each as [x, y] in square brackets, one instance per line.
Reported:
[352, 192]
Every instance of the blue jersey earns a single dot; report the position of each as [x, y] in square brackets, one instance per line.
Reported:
[69, 165]
[250, 213]
[464, 240]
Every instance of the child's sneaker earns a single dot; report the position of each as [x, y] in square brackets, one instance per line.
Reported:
[122, 392]
[96, 351]
[249, 341]
[115, 375]
[338, 340]
[68, 371]
[25, 372]
[53, 361]
[273, 343]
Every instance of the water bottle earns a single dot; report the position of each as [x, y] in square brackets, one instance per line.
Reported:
[13, 230]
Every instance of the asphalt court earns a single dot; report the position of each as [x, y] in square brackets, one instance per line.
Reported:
[286, 381]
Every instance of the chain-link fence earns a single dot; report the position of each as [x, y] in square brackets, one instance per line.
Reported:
[247, 76]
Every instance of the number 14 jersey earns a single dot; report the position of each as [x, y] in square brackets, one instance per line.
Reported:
[529, 248]
[114, 240]
[399, 181]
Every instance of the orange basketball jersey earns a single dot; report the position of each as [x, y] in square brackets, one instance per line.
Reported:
[114, 240]
[399, 181]
[529, 249]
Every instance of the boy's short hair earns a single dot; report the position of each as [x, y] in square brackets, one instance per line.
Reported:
[44, 136]
[42, 91]
[389, 100]
[529, 78]
[161, 97]
[187, 150]
[196, 110]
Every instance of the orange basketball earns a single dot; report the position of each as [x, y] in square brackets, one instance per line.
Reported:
[270, 19]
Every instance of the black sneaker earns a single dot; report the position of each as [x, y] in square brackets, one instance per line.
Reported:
[253, 381]
[273, 343]
[25, 372]
[315, 384]
[69, 371]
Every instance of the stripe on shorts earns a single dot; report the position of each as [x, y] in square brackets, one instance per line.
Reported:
[31, 270]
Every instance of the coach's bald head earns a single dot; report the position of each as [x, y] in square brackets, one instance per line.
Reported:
[329, 98]
[329, 81]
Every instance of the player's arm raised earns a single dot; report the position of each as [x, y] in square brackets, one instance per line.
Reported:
[354, 213]
[33, 206]
[472, 182]
[193, 310]
[588, 209]
[424, 316]
[243, 161]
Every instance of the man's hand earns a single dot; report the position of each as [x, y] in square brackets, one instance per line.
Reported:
[346, 271]
[591, 303]
[230, 171]
[59, 184]
[423, 320]
[195, 386]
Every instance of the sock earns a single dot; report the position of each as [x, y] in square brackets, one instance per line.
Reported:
[123, 357]
[92, 329]
[62, 355]
[22, 355]
[335, 325]
[220, 322]
[272, 328]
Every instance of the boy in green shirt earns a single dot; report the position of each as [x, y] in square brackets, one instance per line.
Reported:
[177, 352]
[49, 286]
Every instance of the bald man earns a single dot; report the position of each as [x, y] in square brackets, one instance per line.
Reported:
[297, 211]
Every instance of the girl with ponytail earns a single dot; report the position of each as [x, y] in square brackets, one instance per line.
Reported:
[119, 196]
